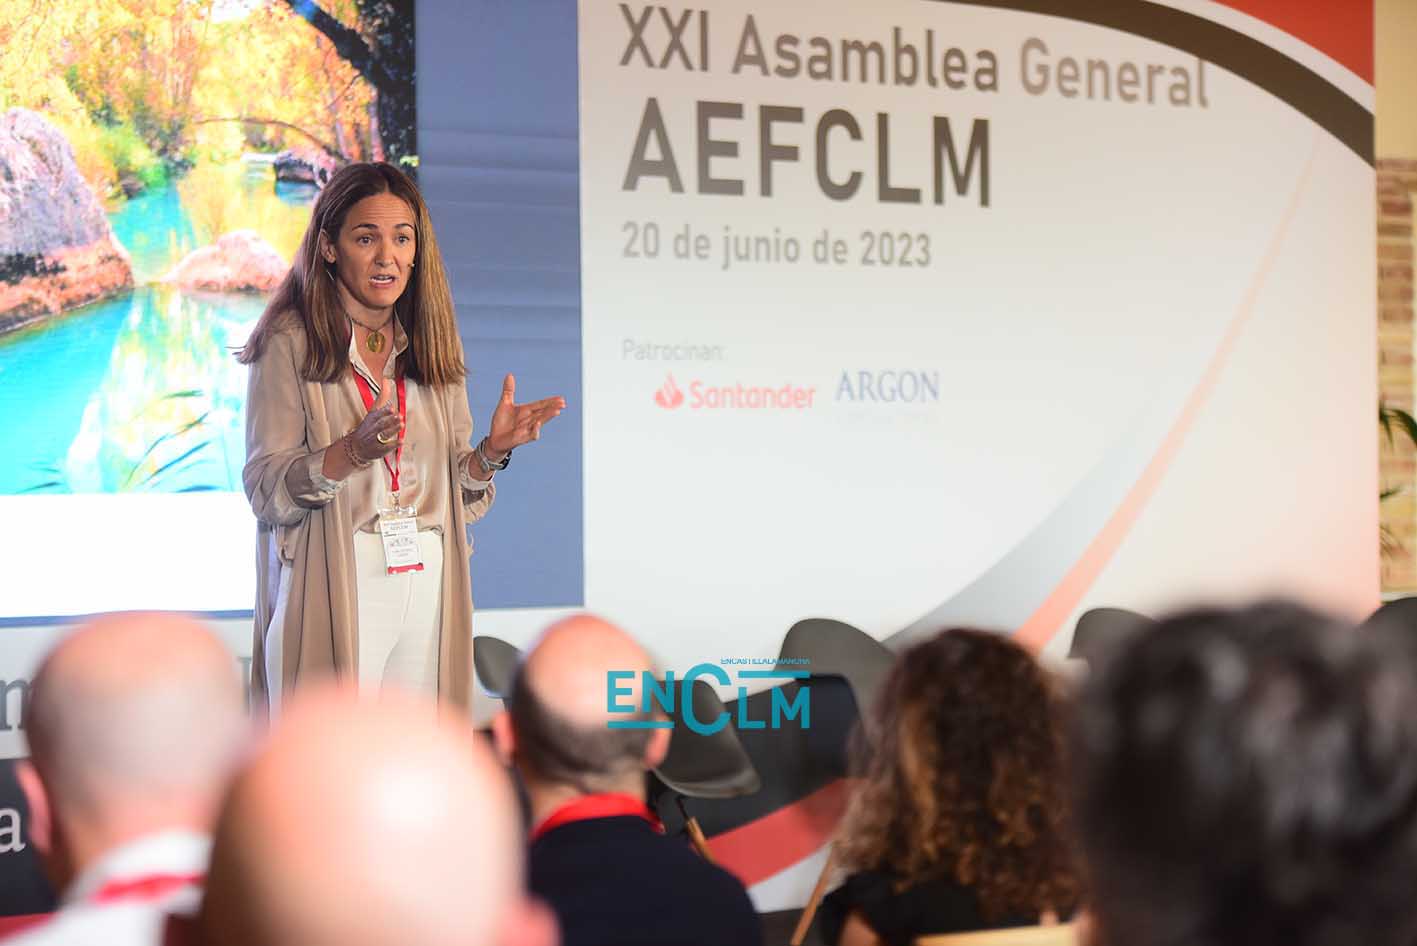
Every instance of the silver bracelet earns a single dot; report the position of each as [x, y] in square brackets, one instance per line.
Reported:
[487, 465]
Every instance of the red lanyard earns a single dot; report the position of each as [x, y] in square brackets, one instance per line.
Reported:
[367, 393]
[147, 888]
[608, 805]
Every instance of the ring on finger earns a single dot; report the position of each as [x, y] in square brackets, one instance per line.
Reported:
[384, 439]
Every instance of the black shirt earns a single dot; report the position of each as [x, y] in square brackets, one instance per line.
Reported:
[617, 881]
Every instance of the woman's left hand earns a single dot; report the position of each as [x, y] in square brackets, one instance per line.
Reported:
[514, 424]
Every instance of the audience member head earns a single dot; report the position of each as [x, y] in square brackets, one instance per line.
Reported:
[365, 823]
[1249, 778]
[965, 780]
[134, 725]
[1397, 621]
[556, 729]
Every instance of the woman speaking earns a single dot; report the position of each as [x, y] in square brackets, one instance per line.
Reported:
[360, 464]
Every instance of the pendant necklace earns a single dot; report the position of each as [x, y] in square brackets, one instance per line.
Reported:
[374, 341]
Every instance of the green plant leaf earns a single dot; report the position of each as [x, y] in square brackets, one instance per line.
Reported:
[173, 462]
[171, 434]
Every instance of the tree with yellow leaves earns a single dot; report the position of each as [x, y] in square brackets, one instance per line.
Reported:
[146, 88]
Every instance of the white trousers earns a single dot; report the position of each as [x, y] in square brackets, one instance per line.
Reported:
[400, 619]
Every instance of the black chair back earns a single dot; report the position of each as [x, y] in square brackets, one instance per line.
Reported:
[706, 765]
[495, 663]
[830, 648]
[1100, 630]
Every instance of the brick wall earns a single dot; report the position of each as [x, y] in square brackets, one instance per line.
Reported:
[1397, 180]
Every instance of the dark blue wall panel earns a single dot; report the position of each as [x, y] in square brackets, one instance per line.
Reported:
[498, 134]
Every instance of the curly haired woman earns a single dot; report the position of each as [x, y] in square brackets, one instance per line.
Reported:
[958, 821]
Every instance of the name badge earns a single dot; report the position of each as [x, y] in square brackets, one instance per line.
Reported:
[398, 527]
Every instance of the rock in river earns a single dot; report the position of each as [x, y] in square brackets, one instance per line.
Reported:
[240, 261]
[57, 249]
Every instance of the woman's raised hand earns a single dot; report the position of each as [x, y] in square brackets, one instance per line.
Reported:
[515, 424]
[379, 433]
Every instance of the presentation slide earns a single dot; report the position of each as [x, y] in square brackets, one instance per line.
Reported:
[925, 312]
[160, 169]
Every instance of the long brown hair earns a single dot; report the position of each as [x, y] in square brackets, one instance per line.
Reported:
[309, 296]
[965, 780]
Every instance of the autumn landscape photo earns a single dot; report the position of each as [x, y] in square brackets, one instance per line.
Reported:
[159, 161]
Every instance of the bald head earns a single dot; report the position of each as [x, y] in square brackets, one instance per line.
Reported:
[364, 823]
[133, 726]
[568, 668]
[557, 731]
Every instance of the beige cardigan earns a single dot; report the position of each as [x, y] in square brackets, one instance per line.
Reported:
[289, 422]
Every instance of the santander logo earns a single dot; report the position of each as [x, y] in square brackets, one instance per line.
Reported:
[669, 396]
[738, 396]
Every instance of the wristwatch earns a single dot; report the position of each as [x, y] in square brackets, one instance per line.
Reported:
[487, 465]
